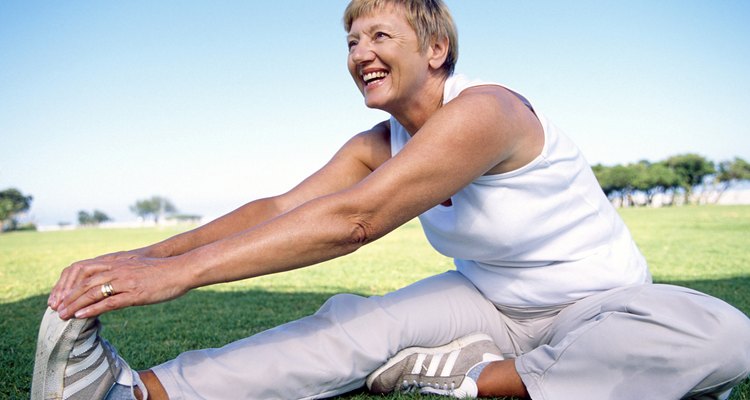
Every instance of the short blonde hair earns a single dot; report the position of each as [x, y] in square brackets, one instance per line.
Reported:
[430, 19]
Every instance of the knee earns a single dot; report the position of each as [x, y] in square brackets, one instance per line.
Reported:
[733, 328]
[345, 307]
[730, 345]
[738, 328]
[360, 323]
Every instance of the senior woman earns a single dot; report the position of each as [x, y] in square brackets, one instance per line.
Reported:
[550, 298]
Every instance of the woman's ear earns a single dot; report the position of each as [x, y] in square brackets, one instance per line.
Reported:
[438, 52]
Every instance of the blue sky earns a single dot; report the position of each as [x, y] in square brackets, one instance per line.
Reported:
[212, 104]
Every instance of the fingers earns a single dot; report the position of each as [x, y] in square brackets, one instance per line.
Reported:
[63, 285]
[90, 288]
[92, 299]
[71, 278]
[80, 270]
[55, 295]
[85, 293]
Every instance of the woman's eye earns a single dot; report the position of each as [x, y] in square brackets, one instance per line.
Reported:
[350, 45]
[380, 35]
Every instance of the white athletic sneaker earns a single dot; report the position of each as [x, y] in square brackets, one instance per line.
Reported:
[447, 370]
[74, 362]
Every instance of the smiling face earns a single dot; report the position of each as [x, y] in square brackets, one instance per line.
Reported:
[385, 60]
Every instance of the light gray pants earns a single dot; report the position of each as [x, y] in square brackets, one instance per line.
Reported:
[638, 342]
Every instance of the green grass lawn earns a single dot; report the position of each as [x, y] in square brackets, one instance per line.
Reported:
[701, 247]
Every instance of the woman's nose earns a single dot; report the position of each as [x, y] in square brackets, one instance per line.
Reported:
[362, 53]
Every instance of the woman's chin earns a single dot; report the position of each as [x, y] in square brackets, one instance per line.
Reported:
[376, 103]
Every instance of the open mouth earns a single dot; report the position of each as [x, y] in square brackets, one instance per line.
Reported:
[373, 77]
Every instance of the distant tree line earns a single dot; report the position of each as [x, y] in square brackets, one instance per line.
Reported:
[674, 180]
[13, 204]
[155, 207]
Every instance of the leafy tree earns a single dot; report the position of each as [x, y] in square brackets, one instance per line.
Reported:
[84, 218]
[95, 218]
[655, 179]
[12, 203]
[691, 169]
[100, 217]
[155, 207]
[618, 181]
[641, 176]
[623, 178]
[730, 172]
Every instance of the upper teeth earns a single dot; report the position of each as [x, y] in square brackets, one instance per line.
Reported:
[374, 75]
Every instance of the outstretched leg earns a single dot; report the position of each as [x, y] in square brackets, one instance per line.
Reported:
[333, 351]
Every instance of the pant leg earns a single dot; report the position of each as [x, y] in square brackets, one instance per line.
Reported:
[332, 351]
[641, 342]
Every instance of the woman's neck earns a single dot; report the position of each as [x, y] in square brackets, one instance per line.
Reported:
[419, 110]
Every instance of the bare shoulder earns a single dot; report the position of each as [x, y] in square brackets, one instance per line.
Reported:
[505, 114]
[501, 100]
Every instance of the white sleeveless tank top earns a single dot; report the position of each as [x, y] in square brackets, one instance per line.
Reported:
[542, 235]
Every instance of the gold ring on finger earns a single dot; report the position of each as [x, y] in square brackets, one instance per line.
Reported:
[107, 290]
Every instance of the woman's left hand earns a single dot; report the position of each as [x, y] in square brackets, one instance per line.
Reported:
[92, 287]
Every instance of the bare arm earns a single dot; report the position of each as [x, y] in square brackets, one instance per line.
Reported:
[350, 165]
[357, 158]
[244, 217]
[483, 131]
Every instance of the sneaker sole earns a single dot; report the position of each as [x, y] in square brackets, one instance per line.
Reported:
[55, 341]
[452, 346]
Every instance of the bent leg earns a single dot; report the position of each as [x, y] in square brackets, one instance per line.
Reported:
[641, 342]
[332, 351]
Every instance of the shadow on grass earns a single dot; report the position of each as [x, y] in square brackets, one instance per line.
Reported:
[147, 336]
[735, 291]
